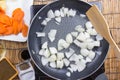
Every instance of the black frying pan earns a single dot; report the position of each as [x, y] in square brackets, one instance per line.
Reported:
[34, 43]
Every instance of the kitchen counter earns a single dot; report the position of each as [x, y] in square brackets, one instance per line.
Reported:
[110, 10]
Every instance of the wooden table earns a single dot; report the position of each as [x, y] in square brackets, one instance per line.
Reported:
[111, 11]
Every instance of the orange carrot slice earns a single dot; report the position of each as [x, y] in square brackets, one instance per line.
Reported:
[25, 30]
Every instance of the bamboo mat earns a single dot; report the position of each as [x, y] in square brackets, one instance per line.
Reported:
[111, 11]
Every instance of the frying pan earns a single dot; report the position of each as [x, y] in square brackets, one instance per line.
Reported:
[66, 26]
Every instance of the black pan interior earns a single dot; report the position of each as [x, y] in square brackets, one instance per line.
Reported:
[34, 43]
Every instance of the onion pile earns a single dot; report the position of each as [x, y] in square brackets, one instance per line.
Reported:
[82, 37]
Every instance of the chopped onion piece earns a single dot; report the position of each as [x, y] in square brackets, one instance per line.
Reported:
[44, 61]
[99, 37]
[74, 34]
[46, 53]
[70, 53]
[70, 69]
[53, 64]
[91, 55]
[40, 34]
[52, 34]
[82, 15]
[74, 67]
[84, 52]
[60, 56]
[80, 56]
[65, 11]
[44, 22]
[81, 37]
[74, 57]
[88, 25]
[79, 28]
[53, 50]
[96, 43]
[57, 13]
[60, 64]
[52, 58]
[79, 44]
[66, 62]
[62, 44]
[68, 74]
[44, 45]
[41, 52]
[47, 19]
[88, 59]
[69, 38]
[50, 14]
[61, 13]
[58, 19]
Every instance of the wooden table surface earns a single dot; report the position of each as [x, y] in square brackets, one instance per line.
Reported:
[110, 10]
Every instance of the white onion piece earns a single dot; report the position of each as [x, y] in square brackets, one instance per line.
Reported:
[87, 35]
[58, 19]
[84, 52]
[81, 37]
[47, 19]
[62, 44]
[60, 56]
[44, 22]
[53, 50]
[52, 34]
[52, 58]
[57, 13]
[53, 64]
[69, 38]
[92, 31]
[41, 52]
[44, 61]
[66, 62]
[74, 57]
[65, 11]
[99, 37]
[68, 74]
[46, 53]
[40, 34]
[88, 60]
[81, 66]
[44, 45]
[71, 50]
[82, 15]
[88, 25]
[74, 34]
[50, 14]
[96, 43]
[79, 44]
[90, 46]
[70, 53]
[80, 56]
[89, 40]
[70, 69]
[74, 13]
[61, 13]
[74, 67]
[91, 55]
[60, 64]
[79, 28]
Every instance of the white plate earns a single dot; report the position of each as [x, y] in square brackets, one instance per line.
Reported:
[25, 6]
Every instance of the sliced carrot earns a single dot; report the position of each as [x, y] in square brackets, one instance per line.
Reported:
[9, 31]
[18, 14]
[2, 11]
[25, 30]
[15, 27]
